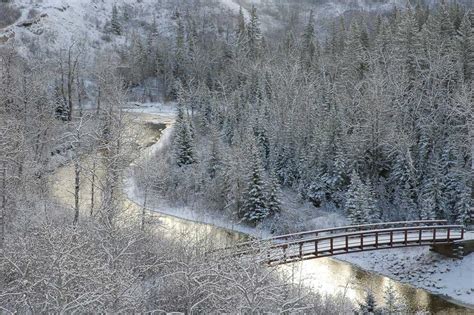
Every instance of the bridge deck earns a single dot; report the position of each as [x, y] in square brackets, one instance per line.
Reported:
[329, 242]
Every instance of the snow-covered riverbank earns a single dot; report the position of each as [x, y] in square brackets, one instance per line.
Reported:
[416, 266]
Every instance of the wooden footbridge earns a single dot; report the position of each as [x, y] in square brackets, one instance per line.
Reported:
[350, 239]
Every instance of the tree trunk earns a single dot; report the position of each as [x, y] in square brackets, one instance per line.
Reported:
[94, 165]
[144, 208]
[3, 205]
[77, 186]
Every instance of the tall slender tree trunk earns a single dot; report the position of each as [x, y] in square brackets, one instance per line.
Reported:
[3, 205]
[145, 199]
[94, 166]
[77, 186]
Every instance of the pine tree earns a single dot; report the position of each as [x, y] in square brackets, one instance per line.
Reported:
[402, 179]
[406, 44]
[462, 206]
[449, 180]
[308, 52]
[354, 204]
[255, 207]
[261, 136]
[369, 306]
[241, 32]
[61, 109]
[393, 304]
[273, 199]
[466, 49]
[214, 164]
[336, 178]
[429, 192]
[115, 23]
[360, 202]
[255, 37]
[192, 39]
[383, 41]
[180, 52]
[355, 55]
[427, 207]
[183, 139]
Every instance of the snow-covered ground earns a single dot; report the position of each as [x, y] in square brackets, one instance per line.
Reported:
[417, 266]
[157, 109]
[56, 24]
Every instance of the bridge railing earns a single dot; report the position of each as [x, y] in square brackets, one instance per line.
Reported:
[353, 228]
[344, 229]
[344, 242]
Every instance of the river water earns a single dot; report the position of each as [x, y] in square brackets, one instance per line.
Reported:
[327, 275]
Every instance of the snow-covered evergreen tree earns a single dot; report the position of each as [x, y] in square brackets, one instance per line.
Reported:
[255, 207]
[273, 202]
[360, 204]
[183, 138]
[254, 34]
[462, 206]
[369, 306]
[180, 52]
[308, 52]
[241, 31]
[465, 49]
[402, 179]
[393, 303]
[116, 27]
[214, 163]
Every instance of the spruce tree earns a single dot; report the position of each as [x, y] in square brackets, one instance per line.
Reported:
[360, 202]
[115, 23]
[462, 205]
[241, 32]
[369, 306]
[402, 179]
[429, 192]
[354, 201]
[214, 164]
[308, 52]
[355, 55]
[255, 207]
[180, 52]
[393, 304]
[273, 199]
[183, 139]
[406, 44]
[465, 49]
[254, 33]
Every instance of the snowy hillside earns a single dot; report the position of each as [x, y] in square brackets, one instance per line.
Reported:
[57, 23]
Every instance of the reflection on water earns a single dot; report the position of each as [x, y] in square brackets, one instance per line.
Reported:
[324, 274]
[333, 276]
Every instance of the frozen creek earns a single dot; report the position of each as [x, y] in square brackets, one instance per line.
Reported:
[325, 274]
